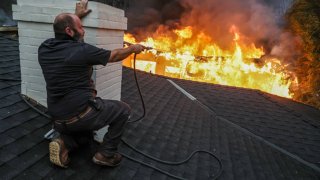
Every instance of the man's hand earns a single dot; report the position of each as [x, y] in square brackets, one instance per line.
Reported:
[81, 8]
[120, 54]
[137, 48]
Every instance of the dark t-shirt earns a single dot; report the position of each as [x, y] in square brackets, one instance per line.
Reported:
[67, 69]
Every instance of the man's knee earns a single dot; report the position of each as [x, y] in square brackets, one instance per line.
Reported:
[124, 112]
[119, 109]
[126, 109]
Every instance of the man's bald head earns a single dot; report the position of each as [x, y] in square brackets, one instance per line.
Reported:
[61, 22]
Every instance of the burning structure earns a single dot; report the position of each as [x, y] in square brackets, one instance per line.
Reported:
[237, 43]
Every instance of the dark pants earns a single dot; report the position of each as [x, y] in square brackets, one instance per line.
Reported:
[104, 112]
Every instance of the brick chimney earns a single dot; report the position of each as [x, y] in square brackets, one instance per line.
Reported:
[104, 28]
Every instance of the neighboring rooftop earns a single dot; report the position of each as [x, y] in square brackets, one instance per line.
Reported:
[256, 135]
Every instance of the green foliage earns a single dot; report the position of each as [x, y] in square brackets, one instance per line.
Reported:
[304, 20]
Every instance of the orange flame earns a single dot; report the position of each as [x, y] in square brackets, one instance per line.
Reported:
[187, 54]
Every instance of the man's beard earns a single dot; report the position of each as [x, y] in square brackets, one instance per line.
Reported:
[77, 36]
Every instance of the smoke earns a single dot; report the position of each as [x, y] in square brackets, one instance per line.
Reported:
[145, 16]
[258, 21]
[255, 21]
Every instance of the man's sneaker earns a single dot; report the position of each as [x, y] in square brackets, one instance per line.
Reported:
[58, 153]
[111, 161]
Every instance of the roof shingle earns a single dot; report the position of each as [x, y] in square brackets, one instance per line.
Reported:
[174, 126]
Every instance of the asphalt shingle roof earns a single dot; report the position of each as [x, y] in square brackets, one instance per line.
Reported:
[290, 125]
[242, 127]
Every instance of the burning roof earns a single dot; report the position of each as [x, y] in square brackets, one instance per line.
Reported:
[236, 43]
